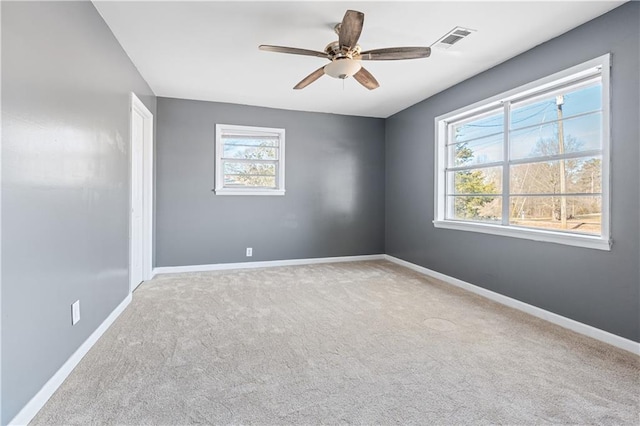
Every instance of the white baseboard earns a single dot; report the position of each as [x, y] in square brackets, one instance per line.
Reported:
[30, 410]
[578, 327]
[265, 264]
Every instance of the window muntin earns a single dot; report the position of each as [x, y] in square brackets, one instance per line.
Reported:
[249, 160]
[533, 160]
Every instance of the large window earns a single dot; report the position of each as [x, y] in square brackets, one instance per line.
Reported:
[249, 160]
[531, 163]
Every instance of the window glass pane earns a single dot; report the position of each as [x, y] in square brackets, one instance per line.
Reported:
[249, 181]
[244, 168]
[477, 181]
[484, 126]
[582, 100]
[583, 213]
[479, 151]
[582, 133]
[577, 101]
[476, 208]
[246, 152]
[250, 140]
[582, 175]
[536, 113]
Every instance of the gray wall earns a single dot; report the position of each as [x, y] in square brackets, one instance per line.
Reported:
[65, 185]
[595, 287]
[334, 204]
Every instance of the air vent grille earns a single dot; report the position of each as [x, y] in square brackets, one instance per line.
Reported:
[452, 37]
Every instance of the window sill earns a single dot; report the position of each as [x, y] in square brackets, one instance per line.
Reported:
[577, 240]
[227, 191]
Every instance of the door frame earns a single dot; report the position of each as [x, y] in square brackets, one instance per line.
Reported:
[146, 174]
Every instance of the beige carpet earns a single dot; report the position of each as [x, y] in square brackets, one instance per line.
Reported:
[363, 343]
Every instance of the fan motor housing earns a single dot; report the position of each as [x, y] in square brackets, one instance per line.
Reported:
[335, 52]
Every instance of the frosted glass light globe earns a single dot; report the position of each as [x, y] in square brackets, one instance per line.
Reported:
[342, 68]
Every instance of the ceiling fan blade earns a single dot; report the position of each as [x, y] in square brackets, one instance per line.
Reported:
[293, 51]
[365, 78]
[350, 28]
[395, 53]
[310, 78]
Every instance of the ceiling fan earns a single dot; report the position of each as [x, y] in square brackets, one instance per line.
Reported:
[345, 54]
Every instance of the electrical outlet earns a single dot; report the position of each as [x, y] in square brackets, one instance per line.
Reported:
[249, 252]
[75, 312]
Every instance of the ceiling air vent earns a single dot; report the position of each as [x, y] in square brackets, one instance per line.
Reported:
[452, 37]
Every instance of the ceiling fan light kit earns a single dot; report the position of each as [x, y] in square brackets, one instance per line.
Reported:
[345, 54]
[342, 68]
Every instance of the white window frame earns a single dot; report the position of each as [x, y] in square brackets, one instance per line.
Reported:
[598, 66]
[219, 173]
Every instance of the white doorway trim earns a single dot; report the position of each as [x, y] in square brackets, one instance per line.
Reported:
[144, 173]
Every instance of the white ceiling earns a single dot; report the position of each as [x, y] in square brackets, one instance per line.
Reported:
[209, 50]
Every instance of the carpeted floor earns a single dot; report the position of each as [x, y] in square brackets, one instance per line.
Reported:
[364, 343]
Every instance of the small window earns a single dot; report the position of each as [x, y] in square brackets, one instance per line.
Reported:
[532, 163]
[249, 160]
